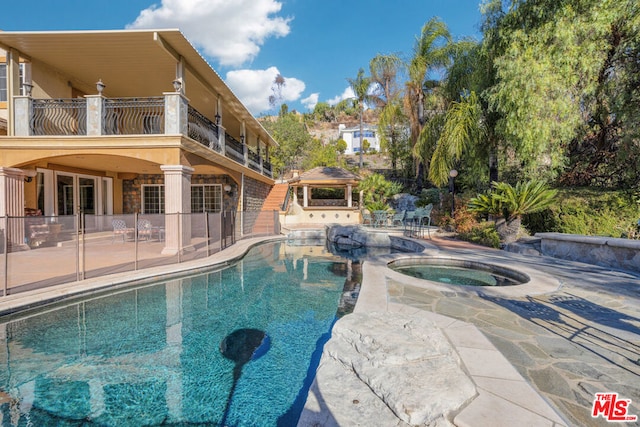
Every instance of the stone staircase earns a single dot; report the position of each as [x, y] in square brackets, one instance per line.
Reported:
[276, 197]
[264, 222]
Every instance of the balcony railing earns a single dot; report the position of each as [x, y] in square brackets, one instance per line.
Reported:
[235, 149]
[129, 116]
[59, 117]
[203, 130]
[133, 116]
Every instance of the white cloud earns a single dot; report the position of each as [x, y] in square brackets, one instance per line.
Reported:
[232, 32]
[348, 93]
[254, 87]
[310, 101]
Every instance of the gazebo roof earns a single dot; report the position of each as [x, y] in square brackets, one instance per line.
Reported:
[326, 176]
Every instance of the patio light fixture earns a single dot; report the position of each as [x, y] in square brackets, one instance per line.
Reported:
[227, 189]
[452, 189]
[27, 87]
[218, 117]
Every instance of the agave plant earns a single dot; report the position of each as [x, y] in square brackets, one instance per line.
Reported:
[508, 203]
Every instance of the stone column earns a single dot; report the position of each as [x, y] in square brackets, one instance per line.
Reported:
[22, 112]
[176, 118]
[12, 204]
[349, 196]
[95, 105]
[177, 203]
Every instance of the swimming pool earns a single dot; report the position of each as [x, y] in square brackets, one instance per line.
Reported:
[151, 355]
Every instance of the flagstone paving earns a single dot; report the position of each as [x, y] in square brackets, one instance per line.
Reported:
[569, 344]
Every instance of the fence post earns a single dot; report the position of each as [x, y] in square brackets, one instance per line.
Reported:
[179, 237]
[223, 236]
[84, 249]
[5, 251]
[206, 230]
[135, 241]
[77, 234]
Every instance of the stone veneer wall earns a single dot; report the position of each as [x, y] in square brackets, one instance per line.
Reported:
[132, 190]
[604, 251]
[255, 193]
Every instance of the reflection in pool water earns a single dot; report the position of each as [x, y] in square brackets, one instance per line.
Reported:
[151, 355]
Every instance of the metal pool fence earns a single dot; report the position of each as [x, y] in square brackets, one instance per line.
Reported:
[41, 251]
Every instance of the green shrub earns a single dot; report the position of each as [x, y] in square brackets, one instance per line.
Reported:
[484, 234]
[588, 212]
[428, 196]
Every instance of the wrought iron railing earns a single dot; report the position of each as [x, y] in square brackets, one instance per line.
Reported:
[234, 149]
[59, 117]
[133, 116]
[203, 130]
[136, 116]
[266, 169]
[254, 160]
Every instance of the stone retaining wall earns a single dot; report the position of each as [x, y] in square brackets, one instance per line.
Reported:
[604, 251]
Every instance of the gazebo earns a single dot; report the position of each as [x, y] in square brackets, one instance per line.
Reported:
[324, 195]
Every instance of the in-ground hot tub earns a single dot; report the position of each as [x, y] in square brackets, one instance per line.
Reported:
[461, 272]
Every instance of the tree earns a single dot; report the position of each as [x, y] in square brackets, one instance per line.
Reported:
[386, 94]
[341, 146]
[566, 87]
[293, 139]
[430, 53]
[377, 190]
[360, 86]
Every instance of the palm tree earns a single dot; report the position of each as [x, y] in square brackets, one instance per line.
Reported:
[386, 94]
[360, 86]
[431, 52]
[466, 126]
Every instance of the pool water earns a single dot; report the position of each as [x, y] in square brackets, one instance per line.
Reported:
[150, 355]
[456, 275]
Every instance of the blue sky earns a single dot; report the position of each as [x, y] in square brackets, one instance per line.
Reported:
[315, 44]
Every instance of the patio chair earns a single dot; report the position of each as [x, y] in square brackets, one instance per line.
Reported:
[423, 217]
[380, 218]
[144, 229]
[366, 217]
[398, 218]
[120, 229]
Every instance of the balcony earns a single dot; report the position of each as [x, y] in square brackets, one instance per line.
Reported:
[96, 115]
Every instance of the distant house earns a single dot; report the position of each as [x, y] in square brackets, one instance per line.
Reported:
[352, 137]
[123, 122]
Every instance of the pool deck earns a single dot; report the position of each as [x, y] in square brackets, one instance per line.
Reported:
[536, 358]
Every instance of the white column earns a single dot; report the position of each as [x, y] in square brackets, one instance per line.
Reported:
[305, 196]
[177, 201]
[12, 204]
[349, 196]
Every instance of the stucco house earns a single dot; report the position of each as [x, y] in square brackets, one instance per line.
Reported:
[353, 139]
[120, 122]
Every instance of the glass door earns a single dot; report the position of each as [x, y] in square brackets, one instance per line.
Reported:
[65, 194]
[76, 192]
